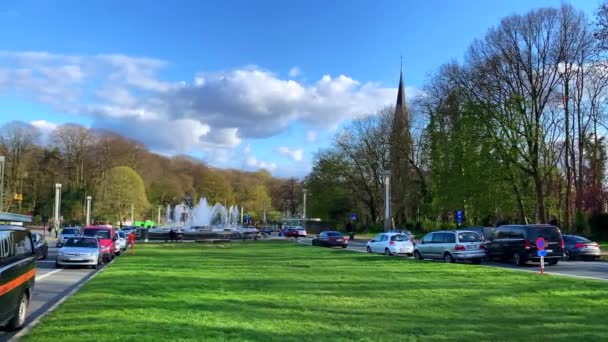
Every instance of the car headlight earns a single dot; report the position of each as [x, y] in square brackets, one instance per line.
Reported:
[105, 248]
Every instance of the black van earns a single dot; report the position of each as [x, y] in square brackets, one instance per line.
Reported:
[17, 275]
[518, 243]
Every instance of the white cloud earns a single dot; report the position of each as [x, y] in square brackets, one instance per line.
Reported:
[294, 72]
[296, 154]
[311, 136]
[254, 163]
[45, 128]
[216, 110]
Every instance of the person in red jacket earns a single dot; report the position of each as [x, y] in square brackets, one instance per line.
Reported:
[131, 241]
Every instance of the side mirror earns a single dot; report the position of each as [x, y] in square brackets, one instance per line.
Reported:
[421, 242]
[373, 241]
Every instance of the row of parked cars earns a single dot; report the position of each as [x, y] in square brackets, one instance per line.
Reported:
[90, 246]
[514, 243]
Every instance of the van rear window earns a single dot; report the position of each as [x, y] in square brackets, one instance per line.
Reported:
[551, 234]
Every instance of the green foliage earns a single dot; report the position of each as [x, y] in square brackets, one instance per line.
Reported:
[124, 188]
[580, 223]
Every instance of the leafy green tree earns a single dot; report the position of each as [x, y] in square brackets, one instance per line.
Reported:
[124, 188]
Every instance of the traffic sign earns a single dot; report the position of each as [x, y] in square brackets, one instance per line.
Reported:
[459, 216]
[540, 244]
[353, 217]
[542, 253]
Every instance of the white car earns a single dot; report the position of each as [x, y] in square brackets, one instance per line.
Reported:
[66, 233]
[121, 242]
[391, 244]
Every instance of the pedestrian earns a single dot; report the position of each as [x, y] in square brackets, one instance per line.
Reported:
[131, 241]
[172, 235]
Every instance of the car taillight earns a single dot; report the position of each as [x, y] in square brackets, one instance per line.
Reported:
[392, 243]
[460, 248]
[527, 244]
[579, 245]
[563, 245]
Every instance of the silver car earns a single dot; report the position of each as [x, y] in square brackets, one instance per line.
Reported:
[66, 233]
[451, 245]
[80, 251]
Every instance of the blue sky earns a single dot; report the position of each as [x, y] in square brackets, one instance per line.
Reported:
[243, 84]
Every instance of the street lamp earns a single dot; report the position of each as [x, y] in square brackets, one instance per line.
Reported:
[56, 212]
[88, 218]
[1, 183]
[387, 200]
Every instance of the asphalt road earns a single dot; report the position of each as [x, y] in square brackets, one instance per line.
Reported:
[578, 269]
[52, 285]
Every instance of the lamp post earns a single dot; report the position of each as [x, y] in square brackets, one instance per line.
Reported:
[158, 217]
[387, 200]
[1, 183]
[304, 193]
[88, 217]
[57, 208]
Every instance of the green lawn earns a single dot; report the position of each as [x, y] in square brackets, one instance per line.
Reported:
[279, 291]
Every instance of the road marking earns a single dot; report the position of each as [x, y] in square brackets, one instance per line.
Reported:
[551, 273]
[48, 274]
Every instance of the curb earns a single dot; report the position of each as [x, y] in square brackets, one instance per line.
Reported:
[26, 329]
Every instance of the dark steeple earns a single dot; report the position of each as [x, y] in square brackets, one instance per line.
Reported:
[400, 92]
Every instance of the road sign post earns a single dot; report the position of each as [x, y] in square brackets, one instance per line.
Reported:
[542, 253]
[459, 217]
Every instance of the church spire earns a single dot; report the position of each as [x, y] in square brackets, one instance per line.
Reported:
[401, 92]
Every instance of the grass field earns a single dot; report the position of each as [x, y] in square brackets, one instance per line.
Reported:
[278, 291]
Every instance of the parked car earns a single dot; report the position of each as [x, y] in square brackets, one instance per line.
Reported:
[451, 245]
[121, 242]
[40, 246]
[580, 247]
[267, 230]
[391, 244]
[518, 243]
[80, 251]
[67, 233]
[295, 232]
[17, 275]
[107, 238]
[483, 232]
[330, 239]
[404, 232]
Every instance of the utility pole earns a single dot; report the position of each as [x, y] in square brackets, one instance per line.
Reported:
[56, 212]
[158, 220]
[1, 183]
[88, 216]
[387, 200]
[264, 219]
[304, 204]
[242, 215]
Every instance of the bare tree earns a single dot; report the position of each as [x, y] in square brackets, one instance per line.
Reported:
[73, 141]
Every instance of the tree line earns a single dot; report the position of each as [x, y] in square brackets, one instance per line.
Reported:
[118, 172]
[515, 133]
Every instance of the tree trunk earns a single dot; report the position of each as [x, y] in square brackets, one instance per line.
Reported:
[540, 199]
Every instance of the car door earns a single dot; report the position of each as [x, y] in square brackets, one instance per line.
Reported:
[494, 246]
[383, 244]
[438, 244]
[373, 245]
[322, 240]
[425, 245]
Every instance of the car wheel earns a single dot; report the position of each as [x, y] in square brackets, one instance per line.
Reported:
[567, 255]
[447, 257]
[369, 250]
[418, 256]
[476, 261]
[19, 318]
[387, 252]
[57, 265]
[344, 246]
[517, 259]
[409, 254]
[45, 255]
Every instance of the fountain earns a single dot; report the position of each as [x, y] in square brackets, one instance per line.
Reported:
[202, 221]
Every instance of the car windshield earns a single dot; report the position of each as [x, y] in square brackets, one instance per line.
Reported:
[121, 234]
[100, 233]
[399, 237]
[334, 234]
[468, 237]
[71, 231]
[80, 242]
